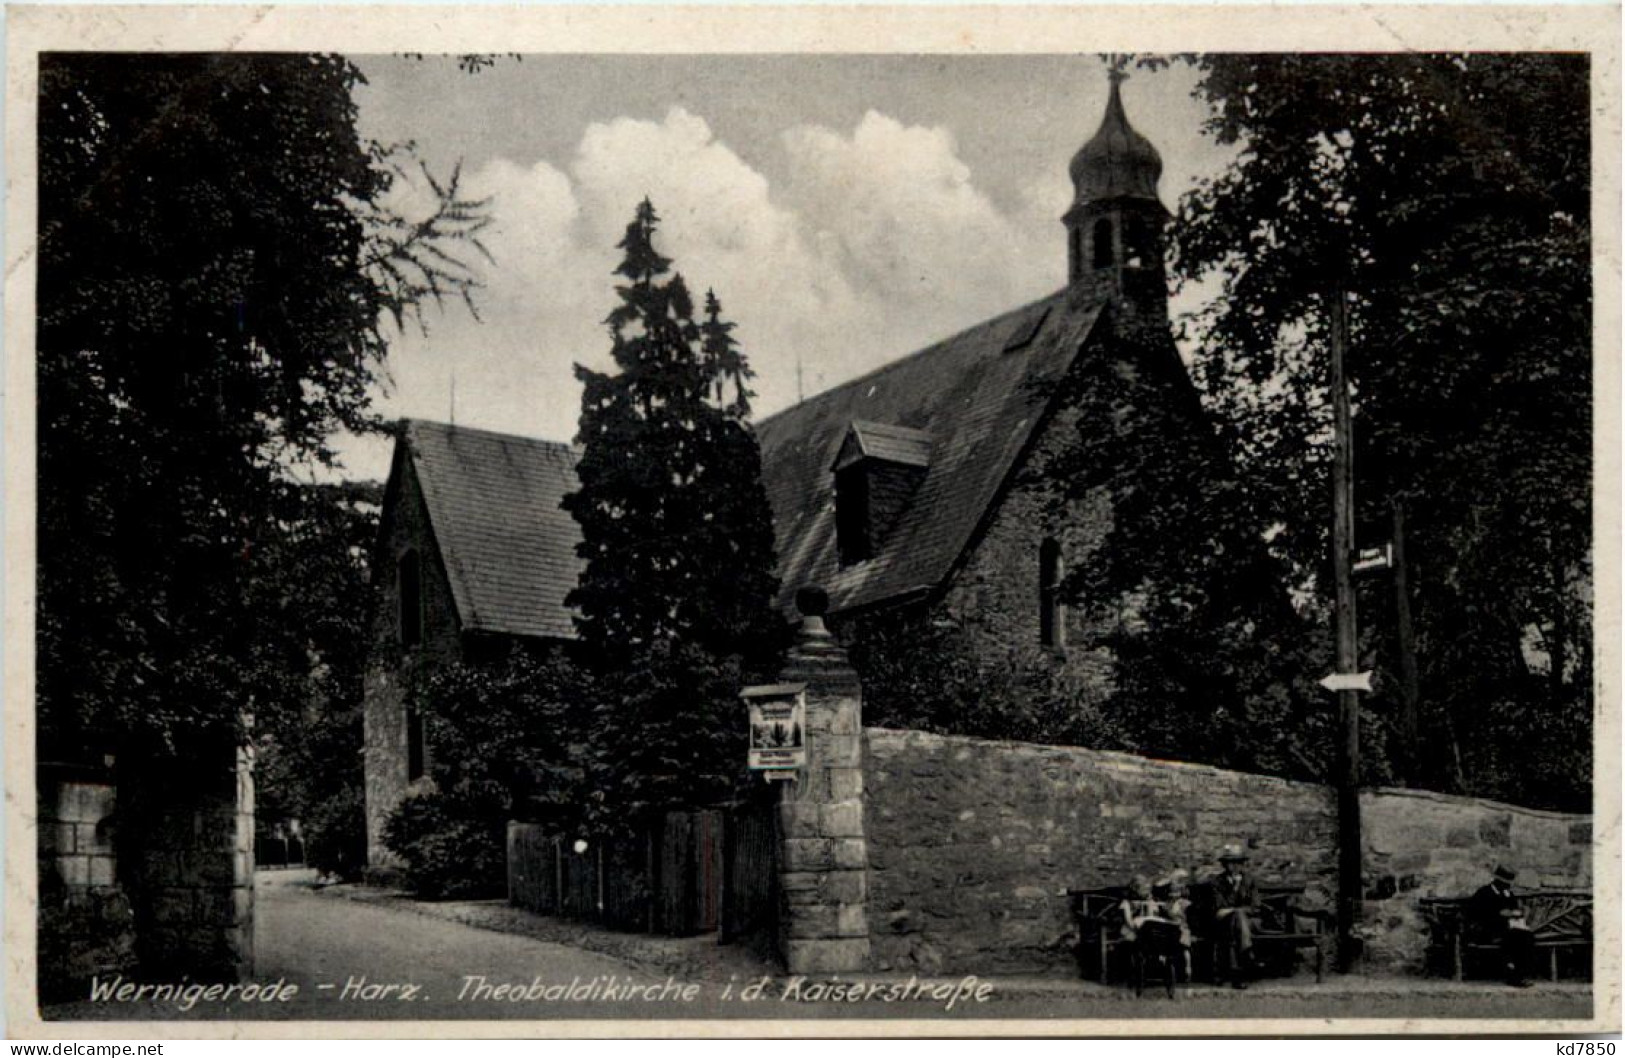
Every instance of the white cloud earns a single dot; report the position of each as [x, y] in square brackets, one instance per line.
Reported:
[899, 207]
[878, 243]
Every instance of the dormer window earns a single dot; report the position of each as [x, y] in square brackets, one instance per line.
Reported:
[852, 537]
[877, 471]
[409, 584]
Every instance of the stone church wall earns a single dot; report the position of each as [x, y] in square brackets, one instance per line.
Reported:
[994, 596]
[388, 667]
[972, 845]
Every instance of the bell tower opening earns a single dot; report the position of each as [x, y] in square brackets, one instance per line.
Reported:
[1103, 243]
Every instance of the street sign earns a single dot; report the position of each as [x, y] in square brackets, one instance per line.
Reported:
[1347, 681]
[1373, 558]
[778, 726]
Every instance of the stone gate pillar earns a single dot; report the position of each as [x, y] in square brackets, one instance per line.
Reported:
[186, 857]
[823, 880]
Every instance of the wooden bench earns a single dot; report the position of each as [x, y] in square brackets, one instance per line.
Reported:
[1559, 918]
[1283, 925]
[1098, 915]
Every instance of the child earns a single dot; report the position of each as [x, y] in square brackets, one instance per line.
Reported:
[1174, 895]
[1147, 924]
[1138, 908]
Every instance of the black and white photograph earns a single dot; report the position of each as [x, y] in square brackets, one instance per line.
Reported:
[897, 531]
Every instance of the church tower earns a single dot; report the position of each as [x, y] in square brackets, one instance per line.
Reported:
[1117, 225]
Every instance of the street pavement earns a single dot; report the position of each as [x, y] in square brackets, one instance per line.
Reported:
[322, 956]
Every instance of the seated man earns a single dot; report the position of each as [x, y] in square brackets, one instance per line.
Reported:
[1495, 915]
[1235, 899]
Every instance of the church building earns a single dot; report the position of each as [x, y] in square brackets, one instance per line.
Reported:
[923, 494]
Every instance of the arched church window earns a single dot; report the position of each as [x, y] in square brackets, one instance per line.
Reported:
[1103, 243]
[1051, 611]
[414, 745]
[409, 579]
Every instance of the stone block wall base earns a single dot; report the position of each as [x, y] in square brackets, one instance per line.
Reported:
[827, 956]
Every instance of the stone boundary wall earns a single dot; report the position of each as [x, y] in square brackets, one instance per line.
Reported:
[972, 845]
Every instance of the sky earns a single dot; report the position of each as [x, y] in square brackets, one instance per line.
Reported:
[847, 210]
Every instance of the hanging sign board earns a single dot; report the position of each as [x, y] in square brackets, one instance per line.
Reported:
[778, 726]
[1371, 559]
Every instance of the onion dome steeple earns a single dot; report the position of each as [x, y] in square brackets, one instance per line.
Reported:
[1118, 162]
[1115, 228]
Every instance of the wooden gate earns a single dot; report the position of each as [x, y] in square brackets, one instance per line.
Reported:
[688, 873]
[750, 876]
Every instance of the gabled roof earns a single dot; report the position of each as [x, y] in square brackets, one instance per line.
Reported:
[978, 398]
[508, 548]
[893, 444]
[964, 409]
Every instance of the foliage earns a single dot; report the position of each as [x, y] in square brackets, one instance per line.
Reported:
[938, 676]
[1207, 660]
[1449, 196]
[81, 936]
[335, 830]
[675, 597]
[500, 731]
[498, 727]
[448, 853]
[213, 289]
[667, 734]
[308, 581]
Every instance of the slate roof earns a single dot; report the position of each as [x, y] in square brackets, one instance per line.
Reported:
[508, 548]
[978, 401]
[965, 408]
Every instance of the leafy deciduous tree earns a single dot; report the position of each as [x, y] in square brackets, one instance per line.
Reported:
[1448, 195]
[213, 286]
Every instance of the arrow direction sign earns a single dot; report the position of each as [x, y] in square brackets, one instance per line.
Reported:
[1347, 681]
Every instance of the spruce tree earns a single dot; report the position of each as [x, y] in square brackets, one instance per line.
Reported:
[675, 598]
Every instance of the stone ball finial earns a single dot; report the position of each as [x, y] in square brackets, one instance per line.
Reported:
[812, 601]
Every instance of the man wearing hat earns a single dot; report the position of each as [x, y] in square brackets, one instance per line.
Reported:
[1235, 898]
[1495, 914]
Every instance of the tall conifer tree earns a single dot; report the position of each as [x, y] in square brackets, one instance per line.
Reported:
[675, 597]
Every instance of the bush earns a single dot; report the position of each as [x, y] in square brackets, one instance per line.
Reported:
[336, 834]
[447, 852]
[80, 937]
